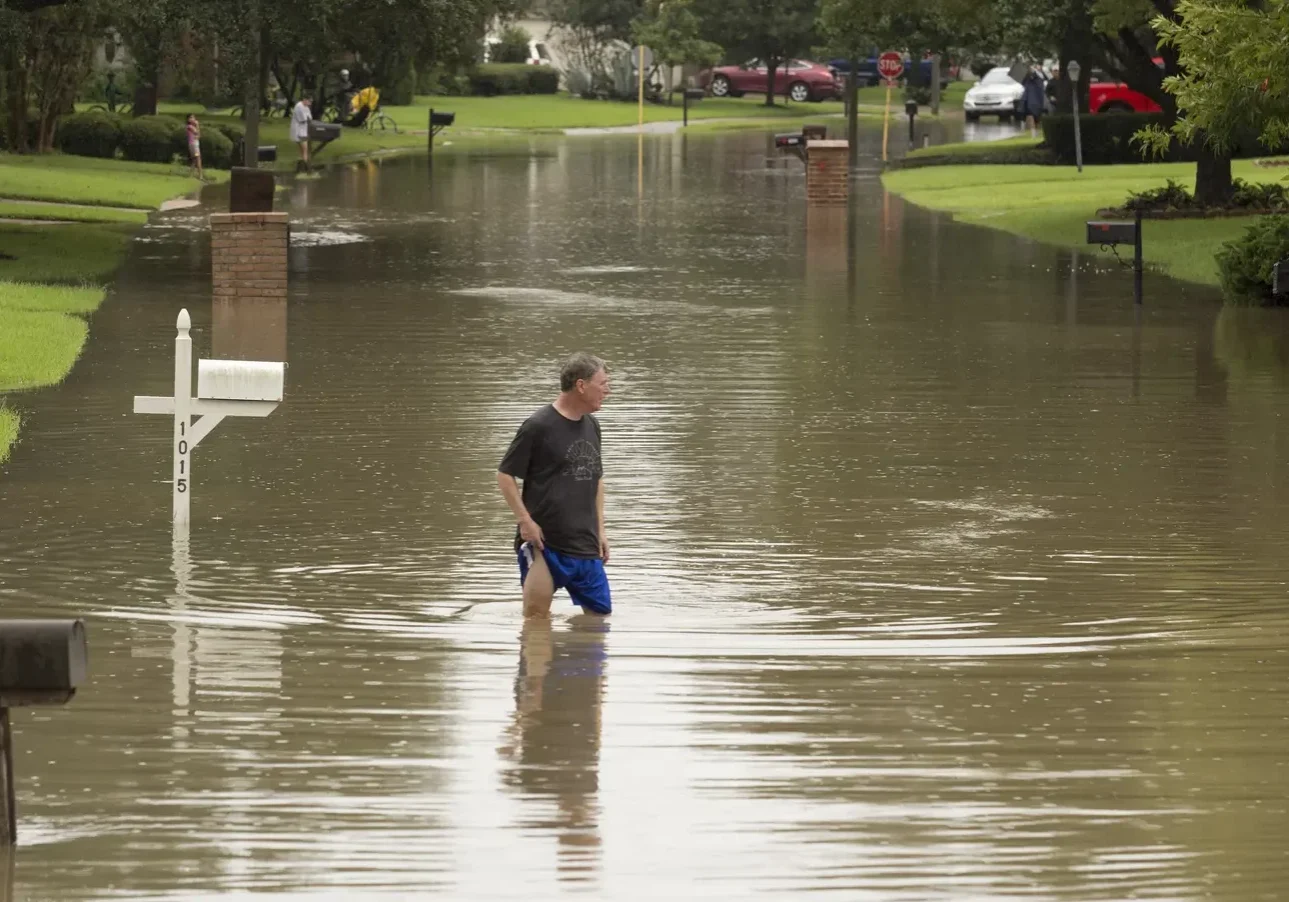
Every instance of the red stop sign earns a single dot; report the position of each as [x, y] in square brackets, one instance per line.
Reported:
[890, 65]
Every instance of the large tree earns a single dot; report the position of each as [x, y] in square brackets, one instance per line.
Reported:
[671, 30]
[772, 31]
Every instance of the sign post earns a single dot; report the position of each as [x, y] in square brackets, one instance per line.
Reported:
[890, 65]
[225, 388]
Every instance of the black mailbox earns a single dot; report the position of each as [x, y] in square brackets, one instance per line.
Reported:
[1280, 279]
[323, 131]
[42, 662]
[787, 141]
[266, 153]
[695, 93]
[911, 107]
[441, 120]
[1112, 233]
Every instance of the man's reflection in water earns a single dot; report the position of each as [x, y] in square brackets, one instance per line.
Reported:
[554, 742]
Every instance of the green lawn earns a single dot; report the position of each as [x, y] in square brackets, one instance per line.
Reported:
[968, 150]
[16, 209]
[1052, 204]
[9, 423]
[86, 180]
[950, 98]
[559, 111]
[69, 254]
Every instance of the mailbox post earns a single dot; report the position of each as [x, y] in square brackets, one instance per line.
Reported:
[42, 662]
[692, 94]
[1111, 235]
[225, 388]
[911, 110]
[438, 122]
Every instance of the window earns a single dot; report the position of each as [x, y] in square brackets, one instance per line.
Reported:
[996, 77]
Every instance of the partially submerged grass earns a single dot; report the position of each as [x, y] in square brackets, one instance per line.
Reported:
[95, 182]
[38, 348]
[58, 212]
[68, 254]
[50, 298]
[9, 423]
[1052, 204]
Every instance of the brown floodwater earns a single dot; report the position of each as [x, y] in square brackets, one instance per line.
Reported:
[940, 572]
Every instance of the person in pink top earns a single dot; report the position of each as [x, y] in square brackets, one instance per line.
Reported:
[194, 144]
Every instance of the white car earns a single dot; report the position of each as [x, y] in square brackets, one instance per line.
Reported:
[997, 94]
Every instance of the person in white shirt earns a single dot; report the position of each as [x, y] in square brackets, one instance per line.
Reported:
[300, 117]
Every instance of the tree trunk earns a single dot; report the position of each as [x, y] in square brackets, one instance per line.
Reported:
[771, 69]
[1213, 185]
[17, 98]
[145, 94]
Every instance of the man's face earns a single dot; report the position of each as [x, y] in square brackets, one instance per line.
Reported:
[595, 390]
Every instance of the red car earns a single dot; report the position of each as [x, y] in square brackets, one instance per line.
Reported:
[798, 80]
[1113, 97]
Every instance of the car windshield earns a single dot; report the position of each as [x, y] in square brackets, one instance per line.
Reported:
[996, 78]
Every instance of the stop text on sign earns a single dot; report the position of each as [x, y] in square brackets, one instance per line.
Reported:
[890, 65]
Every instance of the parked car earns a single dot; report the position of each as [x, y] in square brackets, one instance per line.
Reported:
[866, 73]
[1106, 96]
[997, 94]
[798, 80]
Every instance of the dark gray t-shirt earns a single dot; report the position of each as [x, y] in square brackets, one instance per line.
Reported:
[558, 460]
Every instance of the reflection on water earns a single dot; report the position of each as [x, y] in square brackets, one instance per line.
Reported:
[940, 571]
[552, 747]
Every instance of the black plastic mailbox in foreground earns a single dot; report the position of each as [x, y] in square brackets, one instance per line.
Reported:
[42, 662]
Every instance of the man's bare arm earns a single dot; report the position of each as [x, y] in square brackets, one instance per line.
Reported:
[599, 514]
[528, 527]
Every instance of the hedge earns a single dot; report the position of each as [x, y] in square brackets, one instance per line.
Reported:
[93, 134]
[492, 79]
[1245, 264]
[153, 139]
[1107, 138]
[216, 149]
[236, 136]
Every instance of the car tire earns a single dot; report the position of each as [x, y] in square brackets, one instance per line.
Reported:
[972, 117]
[1004, 117]
[721, 87]
[799, 92]
[1113, 108]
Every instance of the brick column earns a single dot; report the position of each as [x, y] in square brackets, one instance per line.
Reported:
[827, 172]
[248, 264]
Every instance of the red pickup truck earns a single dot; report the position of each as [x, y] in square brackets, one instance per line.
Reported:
[1113, 97]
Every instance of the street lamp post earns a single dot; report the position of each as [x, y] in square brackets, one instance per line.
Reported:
[1073, 69]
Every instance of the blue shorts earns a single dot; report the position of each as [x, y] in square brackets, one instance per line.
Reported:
[584, 578]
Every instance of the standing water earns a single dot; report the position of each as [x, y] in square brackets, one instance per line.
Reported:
[939, 573]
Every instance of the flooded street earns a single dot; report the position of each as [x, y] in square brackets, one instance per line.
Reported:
[938, 572]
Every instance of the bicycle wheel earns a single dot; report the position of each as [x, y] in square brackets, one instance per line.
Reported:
[383, 123]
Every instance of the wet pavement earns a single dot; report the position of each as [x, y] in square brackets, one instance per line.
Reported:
[939, 571]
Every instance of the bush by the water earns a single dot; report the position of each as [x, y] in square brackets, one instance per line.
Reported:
[93, 134]
[1176, 197]
[153, 139]
[1245, 264]
[494, 79]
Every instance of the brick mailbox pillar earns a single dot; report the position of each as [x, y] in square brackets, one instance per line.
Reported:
[248, 263]
[827, 172]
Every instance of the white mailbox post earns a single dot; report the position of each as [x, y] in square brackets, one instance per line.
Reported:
[225, 388]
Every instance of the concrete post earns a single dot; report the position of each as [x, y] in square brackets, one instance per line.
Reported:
[828, 172]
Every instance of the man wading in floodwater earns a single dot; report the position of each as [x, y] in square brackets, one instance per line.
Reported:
[556, 452]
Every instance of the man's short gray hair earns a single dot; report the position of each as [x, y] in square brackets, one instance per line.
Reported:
[580, 366]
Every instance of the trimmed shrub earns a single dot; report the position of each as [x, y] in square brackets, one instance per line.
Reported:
[216, 150]
[1245, 264]
[94, 134]
[402, 91]
[493, 79]
[153, 139]
[1107, 137]
[236, 136]
[542, 80]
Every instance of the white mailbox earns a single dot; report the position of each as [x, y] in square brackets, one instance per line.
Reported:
[240, 380]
